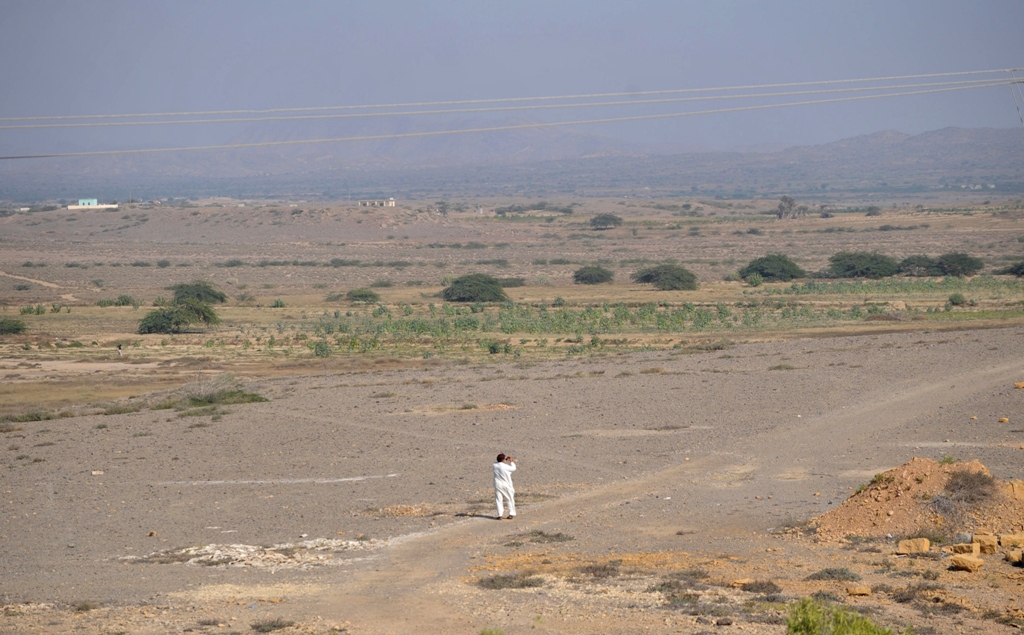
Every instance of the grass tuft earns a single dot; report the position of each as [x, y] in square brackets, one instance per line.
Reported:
[510, 581]
[842, 574]
[267, 626]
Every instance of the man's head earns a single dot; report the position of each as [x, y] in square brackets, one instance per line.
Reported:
[501, 458]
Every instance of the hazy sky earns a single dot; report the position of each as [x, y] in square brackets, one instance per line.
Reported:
[75, 57]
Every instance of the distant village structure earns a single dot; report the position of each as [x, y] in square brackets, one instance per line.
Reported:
[378, 203]
[91, 203]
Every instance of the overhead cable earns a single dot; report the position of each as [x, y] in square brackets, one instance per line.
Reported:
[436, 133]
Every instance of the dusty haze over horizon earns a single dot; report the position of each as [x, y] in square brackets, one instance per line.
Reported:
[113, 57]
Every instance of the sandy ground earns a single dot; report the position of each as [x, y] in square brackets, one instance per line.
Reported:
[655, 462]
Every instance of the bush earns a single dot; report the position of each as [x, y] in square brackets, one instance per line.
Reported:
[1016, 269]
[474, 287]
[862, 264]
[810, 617]
[667, 278]
[755, 280]
[773, 268]
[592, 274]
[198, 290]
[841, 574]
[362, 294]
[604, 221]
[920, 265]
[959, 264]
[10, 326]
[178, 317]
[957, 299]
[509, 283]
[125, 300]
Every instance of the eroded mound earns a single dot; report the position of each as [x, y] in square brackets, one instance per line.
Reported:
[925, 497]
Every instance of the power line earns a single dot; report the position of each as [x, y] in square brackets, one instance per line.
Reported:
[436, 133]
[978, 83]
[514, 99]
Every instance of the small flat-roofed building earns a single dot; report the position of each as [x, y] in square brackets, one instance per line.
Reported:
[378, 203]
[91, 203]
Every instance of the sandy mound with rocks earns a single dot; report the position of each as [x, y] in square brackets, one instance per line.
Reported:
[916, 498]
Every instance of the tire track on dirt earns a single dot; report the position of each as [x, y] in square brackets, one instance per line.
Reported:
[41, 283]
[402, 593]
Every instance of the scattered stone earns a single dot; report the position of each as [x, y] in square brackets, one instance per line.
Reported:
[1017, 489]
[1018, 384]
[913, 545]
[971, 548]
[725, 621]
[1014, 556]
[858, 589]
[97, 472]
[986, 542]
[1011, 540]
[1004, 420]
[964, 562]
[740, 582]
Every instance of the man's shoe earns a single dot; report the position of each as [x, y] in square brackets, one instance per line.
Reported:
[510, 518]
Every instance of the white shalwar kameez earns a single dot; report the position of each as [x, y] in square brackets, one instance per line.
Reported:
[503, 488]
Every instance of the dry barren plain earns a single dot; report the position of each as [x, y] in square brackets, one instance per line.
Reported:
[689, 461]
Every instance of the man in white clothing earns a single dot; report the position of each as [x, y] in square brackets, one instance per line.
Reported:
[503, 489]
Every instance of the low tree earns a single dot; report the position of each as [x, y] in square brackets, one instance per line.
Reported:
[178, 317]
[1016, 269]
[959, 264]
[592, 274]
[773, 268]
[605, 221]
[362, 294]
[667, 278]
[198, 290]
[785, 208]
[474, 287]
[11, 326]
[861, 264]
[920, 265]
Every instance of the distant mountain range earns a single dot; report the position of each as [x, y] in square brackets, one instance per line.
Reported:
[531, 162]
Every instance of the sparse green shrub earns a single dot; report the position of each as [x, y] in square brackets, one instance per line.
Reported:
[605, 221]
[322, 349]
[667, 278]
[810, 617]
[362, 294]
[22, 287]
[278, 303]
[474, 287]
[861, 264]
[592, 274]
[11, 326]
[381, 284]
[957, 299]
[509, 283]
[773, 268]
[163, 264]
[125, 300]
[754, 279]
